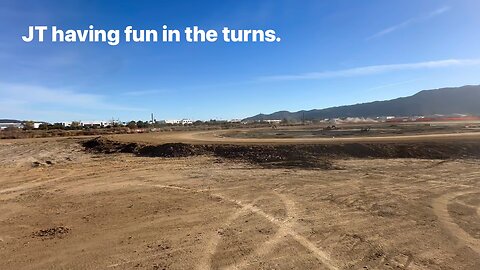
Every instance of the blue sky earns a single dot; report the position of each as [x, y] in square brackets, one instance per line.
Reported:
[331, 53]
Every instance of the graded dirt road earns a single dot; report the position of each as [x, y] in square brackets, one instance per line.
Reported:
[64, 208]
[222, 137]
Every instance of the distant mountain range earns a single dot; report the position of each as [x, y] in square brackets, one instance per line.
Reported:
[445, 101]
[2, 121]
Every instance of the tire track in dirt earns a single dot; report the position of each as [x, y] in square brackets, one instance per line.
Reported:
[321, 255]
[68, 174]
[440, 208]
[65, 174]
[210, 250]
[36, 183]
[279, 236]
[205, 262]
[470, 206]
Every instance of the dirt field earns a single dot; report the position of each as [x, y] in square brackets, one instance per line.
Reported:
[347, 133]
[62, 207]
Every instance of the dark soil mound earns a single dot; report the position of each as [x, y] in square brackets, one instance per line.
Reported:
[294, 156]
[271, 156]
[169, 150]
[105, 146]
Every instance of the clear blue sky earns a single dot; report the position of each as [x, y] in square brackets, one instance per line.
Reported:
[331, 53]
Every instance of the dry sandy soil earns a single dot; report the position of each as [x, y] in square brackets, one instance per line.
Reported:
[231, 136]
[64, 208]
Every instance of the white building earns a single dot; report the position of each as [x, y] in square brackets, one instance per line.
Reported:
[7, 125]
[172, 122]
[186, 122]
[37, 125]
[95, 123]
[273, 121]
[179, 122]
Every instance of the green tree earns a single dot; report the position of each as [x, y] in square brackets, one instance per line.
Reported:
[58, 126]
[132, 125]
[141, 124]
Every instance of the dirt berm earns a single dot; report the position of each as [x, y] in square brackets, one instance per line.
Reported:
[308, 156]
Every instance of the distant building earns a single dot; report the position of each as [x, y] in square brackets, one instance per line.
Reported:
[37, 125]
[7, 125]
[179, 122]
[172, 122]
[273, 121]
[385, 118]
[186, 122]
[95, 123]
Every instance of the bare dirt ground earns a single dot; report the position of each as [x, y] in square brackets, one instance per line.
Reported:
[64, 208]
[309, 135]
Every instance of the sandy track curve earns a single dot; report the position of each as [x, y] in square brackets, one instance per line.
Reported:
[219, 137]
[440, 208]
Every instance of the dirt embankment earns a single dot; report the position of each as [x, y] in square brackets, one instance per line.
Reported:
[307, 156]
